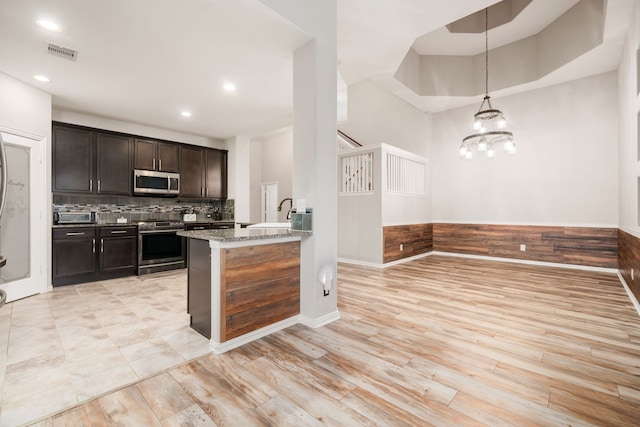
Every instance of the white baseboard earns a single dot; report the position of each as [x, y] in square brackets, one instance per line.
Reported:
[632, 297]
[320, 321]
[219, 348]
[379, 265]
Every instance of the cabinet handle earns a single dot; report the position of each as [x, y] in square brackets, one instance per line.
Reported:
[160, 164]
[119, 232]
[101, 245]
[75, 234]
[90, 186]
[98, 186]
[154, 164]
[201, 191]
[198, 228]
[207, 191]
[94, 246]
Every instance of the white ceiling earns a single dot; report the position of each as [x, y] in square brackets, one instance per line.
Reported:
[144, 61]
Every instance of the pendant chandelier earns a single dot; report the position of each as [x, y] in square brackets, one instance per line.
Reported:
[489, 123]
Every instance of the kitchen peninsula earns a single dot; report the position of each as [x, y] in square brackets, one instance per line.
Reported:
[243, 283]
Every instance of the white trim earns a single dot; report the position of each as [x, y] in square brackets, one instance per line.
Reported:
[524, 261]
[320, 321]
[385, 265]
[634, 233]
[541, 224]
[632, 297]
[219, 348]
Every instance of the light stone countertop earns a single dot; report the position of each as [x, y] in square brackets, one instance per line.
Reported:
[240, 234]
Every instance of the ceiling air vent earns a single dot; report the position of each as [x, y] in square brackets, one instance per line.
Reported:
[61, 51]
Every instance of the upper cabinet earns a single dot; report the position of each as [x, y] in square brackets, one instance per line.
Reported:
[89, 162]
[204, 173]
[72, 158]
[216, 174]
[93, 161]
[155, 155]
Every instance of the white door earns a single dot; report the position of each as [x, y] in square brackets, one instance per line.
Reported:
[270, 202]
[22, 226]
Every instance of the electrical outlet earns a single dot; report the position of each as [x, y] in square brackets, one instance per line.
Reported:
[401, 247]
[523, 248]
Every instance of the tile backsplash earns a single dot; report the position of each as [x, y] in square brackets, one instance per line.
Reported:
[144, 208]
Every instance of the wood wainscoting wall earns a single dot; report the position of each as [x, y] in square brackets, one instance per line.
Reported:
[259, 286]
[594, 247]
[415, 239]
[629, 258]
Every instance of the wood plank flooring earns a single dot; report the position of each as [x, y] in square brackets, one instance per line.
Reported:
[438, 341]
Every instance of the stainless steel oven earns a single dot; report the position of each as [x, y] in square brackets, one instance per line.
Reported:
[159, 247]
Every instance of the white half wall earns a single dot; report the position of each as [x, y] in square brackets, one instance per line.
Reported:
[564, 173]
[629, 101]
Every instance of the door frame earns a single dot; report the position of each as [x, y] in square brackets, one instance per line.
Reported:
[263, 200]
[40, 222]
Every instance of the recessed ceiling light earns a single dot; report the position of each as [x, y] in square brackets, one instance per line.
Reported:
[185, 114]
[51, 26]
[229, 87]
[43, 79]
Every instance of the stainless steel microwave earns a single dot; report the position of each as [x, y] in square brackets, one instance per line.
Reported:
[156, 183]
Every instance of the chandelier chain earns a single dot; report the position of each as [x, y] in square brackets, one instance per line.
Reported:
[486, 51]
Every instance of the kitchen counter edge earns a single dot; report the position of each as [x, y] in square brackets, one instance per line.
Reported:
[242, 234]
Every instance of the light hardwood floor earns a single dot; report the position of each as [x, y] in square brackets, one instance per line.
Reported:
[437, 341]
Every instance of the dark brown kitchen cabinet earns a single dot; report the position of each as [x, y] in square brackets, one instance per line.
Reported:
[118, 250]
[86, 161]
[72, 159]
[191, 172]
[203, 173]
[113, 160]
[216, 174]
[156, 155]
[86, 254]
[73, 255]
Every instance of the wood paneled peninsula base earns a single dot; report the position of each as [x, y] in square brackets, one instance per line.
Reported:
[243, 283]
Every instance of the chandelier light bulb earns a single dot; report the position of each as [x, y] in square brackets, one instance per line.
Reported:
[491, 152]
[502, 123]
[508, 145]
[462, 150]
[468, 155]
[477, 125]
[482, 145]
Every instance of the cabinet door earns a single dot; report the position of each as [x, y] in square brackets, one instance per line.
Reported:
[117, 254]
[216, 172]
[191, 172]
[168, 157]
[114, 164]
[73, 257]
[73, 154]
[145, 154]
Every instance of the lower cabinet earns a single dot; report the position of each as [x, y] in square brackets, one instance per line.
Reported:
[74, 255]
[85, 254]
[118, 250]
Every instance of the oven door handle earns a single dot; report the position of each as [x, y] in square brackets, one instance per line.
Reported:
[165, 231]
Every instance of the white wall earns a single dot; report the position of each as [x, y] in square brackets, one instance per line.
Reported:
[376, 116]
[255, 179]
[629, 167]
[565, 170]
[277, 166]
[135, 129]
[27, 109]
